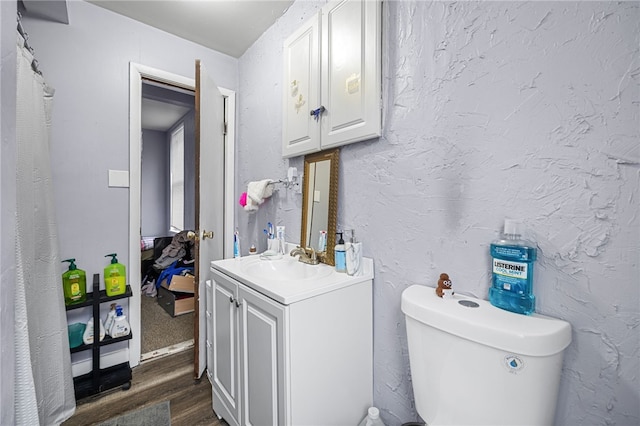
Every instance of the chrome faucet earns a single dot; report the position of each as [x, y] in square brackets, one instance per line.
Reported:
[304, 257]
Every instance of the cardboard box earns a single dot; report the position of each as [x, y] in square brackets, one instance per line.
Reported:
[182, 284]
[175, 303]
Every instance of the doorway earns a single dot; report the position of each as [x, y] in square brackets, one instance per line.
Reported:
[167, 209]
[138, 75]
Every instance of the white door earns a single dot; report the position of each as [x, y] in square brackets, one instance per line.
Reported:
[209, 198]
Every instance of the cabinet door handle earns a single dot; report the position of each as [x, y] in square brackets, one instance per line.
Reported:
[230, 299]
[238, 303]
[315, 113]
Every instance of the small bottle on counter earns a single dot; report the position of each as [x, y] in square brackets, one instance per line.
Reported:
[372, 418]
[353, 252]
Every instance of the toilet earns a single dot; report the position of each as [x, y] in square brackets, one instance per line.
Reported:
[475, 364]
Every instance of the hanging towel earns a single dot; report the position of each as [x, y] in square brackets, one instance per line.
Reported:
[258, 191]
[251, 205]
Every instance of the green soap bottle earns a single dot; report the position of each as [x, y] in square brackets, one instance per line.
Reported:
[115, 276]
[74, 283]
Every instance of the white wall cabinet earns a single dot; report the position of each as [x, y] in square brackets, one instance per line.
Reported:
[332, 65]
[304, 363]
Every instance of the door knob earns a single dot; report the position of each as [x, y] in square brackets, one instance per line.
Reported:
[194, 236]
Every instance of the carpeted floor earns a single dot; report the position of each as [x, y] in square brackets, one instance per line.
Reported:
[159, 329]
[155, 415]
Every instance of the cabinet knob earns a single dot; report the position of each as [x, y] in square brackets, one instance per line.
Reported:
[315, 113]
[238, 303]
[230, 299]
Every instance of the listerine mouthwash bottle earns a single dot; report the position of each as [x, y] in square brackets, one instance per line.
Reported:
[512, 281]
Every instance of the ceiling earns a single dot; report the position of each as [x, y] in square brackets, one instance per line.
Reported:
[163, 106]
[228, 26]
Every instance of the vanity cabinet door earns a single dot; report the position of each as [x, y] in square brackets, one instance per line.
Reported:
[225, 368]
[262, 359]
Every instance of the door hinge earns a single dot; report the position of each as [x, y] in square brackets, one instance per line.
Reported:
[224, 130]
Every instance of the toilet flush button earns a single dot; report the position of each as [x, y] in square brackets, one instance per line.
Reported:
[513, 363]
[468, 303]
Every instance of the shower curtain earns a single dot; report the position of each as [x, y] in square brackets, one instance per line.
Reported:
[44, 392]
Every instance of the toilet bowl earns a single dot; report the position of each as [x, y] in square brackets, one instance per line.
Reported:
[474, 364]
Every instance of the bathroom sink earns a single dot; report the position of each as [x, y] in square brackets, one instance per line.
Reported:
[285, 269]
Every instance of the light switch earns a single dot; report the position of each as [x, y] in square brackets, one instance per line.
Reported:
[118, 179]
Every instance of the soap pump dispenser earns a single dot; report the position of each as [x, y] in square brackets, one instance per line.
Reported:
[114, 277]
[340, 255]
[74, 283]
[120, 326]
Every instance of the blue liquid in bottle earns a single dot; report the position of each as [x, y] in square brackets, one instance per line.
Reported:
[512, 267]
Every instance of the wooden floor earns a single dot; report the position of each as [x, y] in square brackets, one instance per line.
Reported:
[166, 379]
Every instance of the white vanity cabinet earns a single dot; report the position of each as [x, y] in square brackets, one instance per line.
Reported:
[303, 360]
[333, 64]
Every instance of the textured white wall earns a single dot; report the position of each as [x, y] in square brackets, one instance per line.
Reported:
[491, 109]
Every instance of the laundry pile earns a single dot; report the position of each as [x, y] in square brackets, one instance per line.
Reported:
[175, 259]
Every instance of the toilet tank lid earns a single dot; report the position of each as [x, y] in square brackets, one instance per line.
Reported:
[532, 335]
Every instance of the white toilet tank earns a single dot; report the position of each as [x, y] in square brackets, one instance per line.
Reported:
[475, 364]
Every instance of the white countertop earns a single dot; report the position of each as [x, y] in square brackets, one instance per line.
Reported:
[291, 291]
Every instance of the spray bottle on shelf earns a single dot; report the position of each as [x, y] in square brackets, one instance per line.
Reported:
[74, 283]
[512, 271]
[115, 277]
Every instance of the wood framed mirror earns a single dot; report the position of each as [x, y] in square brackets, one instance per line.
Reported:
[320, 202]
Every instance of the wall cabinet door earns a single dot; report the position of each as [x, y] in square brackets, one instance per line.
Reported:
[301, 132]
[348, 78]
[224, 370]
[262, 359]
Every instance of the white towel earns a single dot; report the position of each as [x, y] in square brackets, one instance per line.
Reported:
[251, 205]
[258, 191]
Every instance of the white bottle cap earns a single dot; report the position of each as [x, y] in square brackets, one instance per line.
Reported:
[512, 227]
[374, 413]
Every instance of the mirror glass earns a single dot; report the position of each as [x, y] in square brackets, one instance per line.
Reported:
[320, 203]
